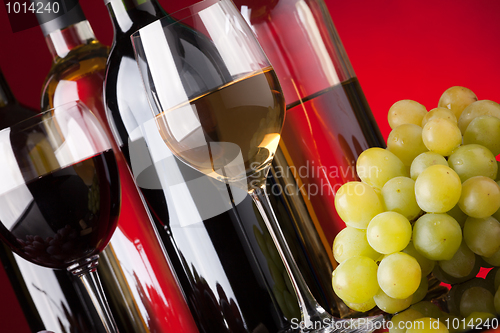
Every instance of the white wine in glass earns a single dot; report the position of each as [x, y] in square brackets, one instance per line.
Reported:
[236, 127]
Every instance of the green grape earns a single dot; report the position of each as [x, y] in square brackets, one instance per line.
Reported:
[439, 112]
[380, 197]
[446, 278]
[453, 299]
[399, 196]
[388, 232]
[426, 265]
[362, 307]
[405, 141]
[476, 109]
[496, 282]
[396, 282]
[427, 309]
[493, 278]
[461, 264]
[421, 291]
[497, 213]
[427, 325]
[482, 235]
[457, 290]
[353, 195]
[351, 242]
[457, 99]
[401, 321]
[437, 189]
[406, 112]
[441, 136]
[458, 215]
[480, 197]
[355, 279]
[485, 131]
[437, 236]
[425, 160]
[473, 160]
[494, 259]
[476, 299]
[479, 315]
[375, 166]
[496, 301]
[389, 304]
[483, 263]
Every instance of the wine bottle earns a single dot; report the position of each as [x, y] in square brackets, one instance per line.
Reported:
[225, 259]
[48, 298]
[142, 291]
[328, 121]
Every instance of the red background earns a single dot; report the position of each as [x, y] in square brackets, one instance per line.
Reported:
[399, 50]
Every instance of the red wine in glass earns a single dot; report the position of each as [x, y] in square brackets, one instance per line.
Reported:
[70, 213]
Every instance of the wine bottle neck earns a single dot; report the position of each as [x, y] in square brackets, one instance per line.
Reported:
[6, 95]
[130, 15]
[65, 31]
[61, 42]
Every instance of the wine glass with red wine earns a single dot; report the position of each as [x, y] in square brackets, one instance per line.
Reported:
[60, 194]
[219, 108]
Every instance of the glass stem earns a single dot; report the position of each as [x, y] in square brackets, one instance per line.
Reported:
[86, 272]
[311, 311]
[282, 318]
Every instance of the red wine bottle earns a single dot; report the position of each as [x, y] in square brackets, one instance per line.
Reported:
[142, 291]
[49, 299]
[328, 121]
[225, 260]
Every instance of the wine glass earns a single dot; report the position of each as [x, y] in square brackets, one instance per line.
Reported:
[220, 109]
[60, 194]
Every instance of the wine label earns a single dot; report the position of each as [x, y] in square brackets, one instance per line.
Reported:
[26, 14]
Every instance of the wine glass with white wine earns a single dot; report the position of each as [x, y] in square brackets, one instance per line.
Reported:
[220, 109]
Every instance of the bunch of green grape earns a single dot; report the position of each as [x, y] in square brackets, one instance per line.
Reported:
[429, 203]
